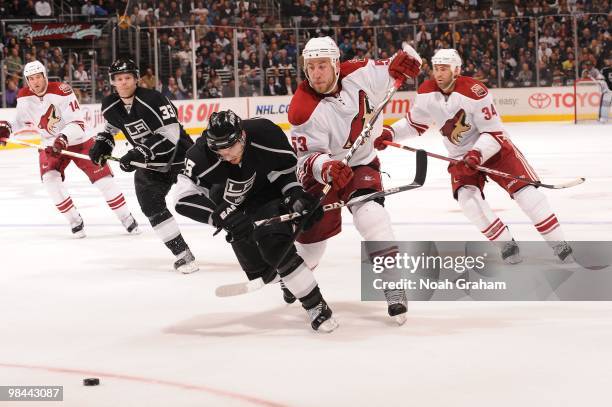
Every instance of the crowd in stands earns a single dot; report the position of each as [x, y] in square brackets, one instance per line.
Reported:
[267, 54]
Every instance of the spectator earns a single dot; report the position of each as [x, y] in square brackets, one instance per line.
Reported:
[568, 64]
[42, 8]
[288, 86]
[181, 81]
[172, 91]
[14, 64]
[81, 74]
[229, 90]
[88, 9]
[148, 80]
[525, 76]
[272, 88]
[11, 93]
[244, 89]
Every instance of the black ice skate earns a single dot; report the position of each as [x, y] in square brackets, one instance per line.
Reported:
[186, 263]
[78, 230]
[321, 318]
[397, 305]
[510, 253]
[130, 224]
[563, 251]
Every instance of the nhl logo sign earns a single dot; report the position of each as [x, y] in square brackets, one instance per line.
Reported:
[539, 100]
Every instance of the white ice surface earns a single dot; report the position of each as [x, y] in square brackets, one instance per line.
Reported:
[108, 306]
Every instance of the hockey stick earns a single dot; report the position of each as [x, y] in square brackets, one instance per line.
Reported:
[242, 288]
[419, 180]
[70, 153]
[491, 171]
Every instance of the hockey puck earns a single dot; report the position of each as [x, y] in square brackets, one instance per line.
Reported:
[91, 381]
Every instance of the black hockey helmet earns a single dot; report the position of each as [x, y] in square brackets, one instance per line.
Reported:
[224, 130]
[123, 65]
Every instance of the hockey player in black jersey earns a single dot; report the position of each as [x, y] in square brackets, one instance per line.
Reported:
[149, 122]
[244, 170]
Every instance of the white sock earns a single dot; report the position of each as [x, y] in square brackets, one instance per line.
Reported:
[52, 180]
[536, 207]
[311, 252]
[478, 211]
[374, 225]
[113, 196]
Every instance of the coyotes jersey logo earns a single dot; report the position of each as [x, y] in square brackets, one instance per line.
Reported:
[49, 120]
[363, 116]
[454, 128]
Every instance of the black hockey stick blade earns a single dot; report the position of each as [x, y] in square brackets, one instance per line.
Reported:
[419, 180]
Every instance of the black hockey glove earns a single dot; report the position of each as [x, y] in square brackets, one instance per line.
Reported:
[237, 223]
[102, 148]
[140, 154]
[298, 200]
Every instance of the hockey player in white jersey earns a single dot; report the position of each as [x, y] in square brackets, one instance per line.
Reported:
[463, 110]
[53, 111]
[328, 112]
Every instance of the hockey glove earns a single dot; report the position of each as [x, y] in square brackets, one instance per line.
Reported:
[336, 172]
[103, 147]
[298, 200]
[60, 143]
[140, 154]
[467, 166]
[403, 65]
[387, 135]
[5, 131]
[236, 223]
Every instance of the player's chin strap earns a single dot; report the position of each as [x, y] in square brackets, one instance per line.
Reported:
[491, 171]
[26, 132]
[241, 288]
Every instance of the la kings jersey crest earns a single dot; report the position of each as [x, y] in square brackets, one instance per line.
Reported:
[236, 191]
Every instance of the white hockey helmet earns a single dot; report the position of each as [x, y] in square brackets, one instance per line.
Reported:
[448, 56]
[322, 47]
[32, 68]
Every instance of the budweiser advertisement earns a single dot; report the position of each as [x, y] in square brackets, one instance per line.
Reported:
[56, 31]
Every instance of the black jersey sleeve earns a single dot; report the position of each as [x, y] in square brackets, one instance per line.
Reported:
[274, 148]
[110, 129]
[197, 203]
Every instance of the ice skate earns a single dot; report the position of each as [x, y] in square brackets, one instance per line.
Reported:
[397, 305]
[78, 229]
[564, 252]
[510, 253]
[130, 224]
[186, 263]
[321, 318]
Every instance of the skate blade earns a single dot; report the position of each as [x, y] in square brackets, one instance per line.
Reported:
[514, 259]
[328, 326]
[188, 268]
[135, 231]
[400, 319]
[79, 235]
